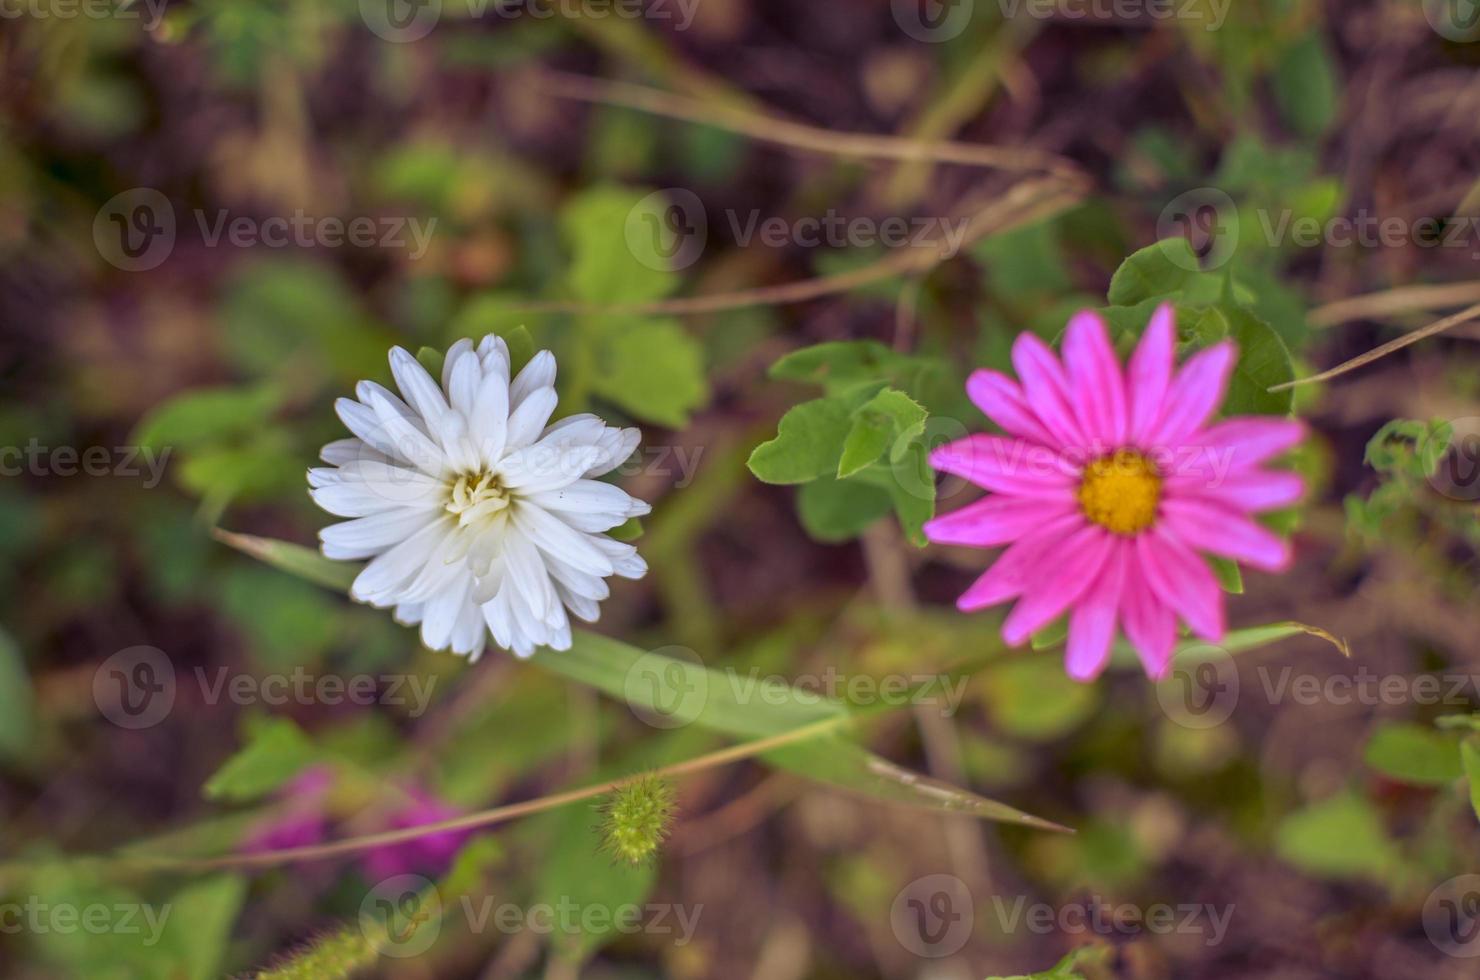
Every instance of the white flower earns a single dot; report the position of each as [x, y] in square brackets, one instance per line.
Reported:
[474, 510]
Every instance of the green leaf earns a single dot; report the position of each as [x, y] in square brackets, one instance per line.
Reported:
[891, 420]
[276, 751]
[653, 369]
[1306, 85]
[205, 415]
[575, 872]
[1263, 362]
[1097, 954]
[432, 359]
[200, 927]
[1469, 751]
[1244, 640]
[835, 761]
[521, 347]
[294, 559]
[1409, 446]
[1230, 578]
[604, 268]
[17, 701]
[628, 530]
[833, 511]
[1414, 754]
[1158, 271]
[808, 444]
[839, 364]
[1339, 838]
[677, 691]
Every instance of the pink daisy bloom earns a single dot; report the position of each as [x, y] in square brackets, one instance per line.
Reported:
[1108, 488]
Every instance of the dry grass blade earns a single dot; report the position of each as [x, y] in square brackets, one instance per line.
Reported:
[1029, 201]
[1393, 302]
[1376, 354]
[799, 136]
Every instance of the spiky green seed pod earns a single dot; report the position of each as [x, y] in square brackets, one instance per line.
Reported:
[635, 820]
[338, 956]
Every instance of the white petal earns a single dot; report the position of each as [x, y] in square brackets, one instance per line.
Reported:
[543, 467]
[574, 581]
[464, 377]
[617, 445]
[590, 505]
[363, 422]
[417, 387]
[454, 352]
[624, 557]
[527, 421]
[366, 537]
[559, 540]
[343, 451]
[538, 373]
[442, 613]
[407, 440]
[488, 426]
[493, 356]
[383, 578]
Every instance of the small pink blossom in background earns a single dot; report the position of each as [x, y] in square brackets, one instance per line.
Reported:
[305, 821]
[432, 853]
[1109, 487]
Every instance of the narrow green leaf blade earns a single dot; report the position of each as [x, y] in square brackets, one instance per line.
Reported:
[294, 559]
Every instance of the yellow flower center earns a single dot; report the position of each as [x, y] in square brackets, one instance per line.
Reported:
[1120, 492]
[475, 497]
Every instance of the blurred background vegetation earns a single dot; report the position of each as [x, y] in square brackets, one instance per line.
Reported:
[1325, 824]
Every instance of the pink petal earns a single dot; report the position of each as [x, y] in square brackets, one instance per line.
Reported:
[1150, 371]
[1251, 491]
[1195, 394]
[1150, 625]
[1002, 400]
[1098, 389]
[995, 521]
[1056, 583]
[1183, 581]
[1007, 465]
[1092, 623]
[1239, 444]
[1046, 389]
[1211, 527]
[1007, 578]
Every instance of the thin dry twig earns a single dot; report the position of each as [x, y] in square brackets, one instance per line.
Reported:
[1378, 353]
[1029, 201]
[1393, 302]
[769, 128]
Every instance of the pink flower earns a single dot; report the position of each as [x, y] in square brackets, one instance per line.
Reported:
[432, 853]
[1108, 487]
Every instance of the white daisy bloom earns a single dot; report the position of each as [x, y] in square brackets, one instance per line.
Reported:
[475, 513]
